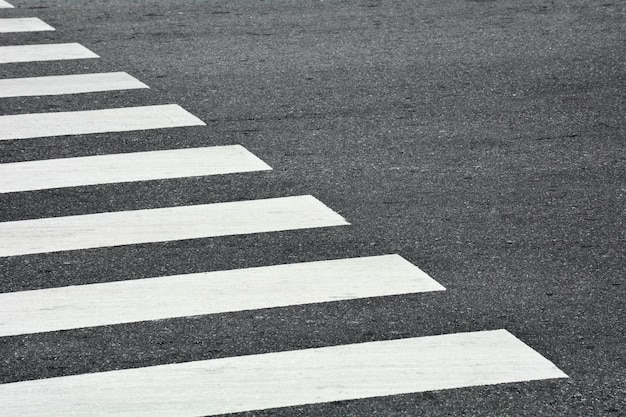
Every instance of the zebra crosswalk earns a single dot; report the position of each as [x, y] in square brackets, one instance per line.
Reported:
[99, 230]
[137, 166]
[23, 126]
[209, 293]
[283, 379]
[214, 386]
[68, 84]
[25, 24]
[45, 52]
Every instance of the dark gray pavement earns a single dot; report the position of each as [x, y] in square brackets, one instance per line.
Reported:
[484, 141]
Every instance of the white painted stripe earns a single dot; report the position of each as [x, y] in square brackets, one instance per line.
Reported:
[209, 293]
[46, 52]
[285, 379]
[164, 224]
[140, 166]
[23, 24]
[5, 5]
[124, 119]
[68, 84]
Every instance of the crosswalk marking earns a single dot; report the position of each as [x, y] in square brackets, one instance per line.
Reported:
[209, 293]
[284, 379]
[45, 52]
[23, 24]
[139, 166]
[22, 126]
[5, 5]
[68, 84]
[164, 224]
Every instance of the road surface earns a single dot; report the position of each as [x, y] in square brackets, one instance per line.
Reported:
[330, 208]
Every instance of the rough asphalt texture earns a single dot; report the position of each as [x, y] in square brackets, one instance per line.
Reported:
[484, 141]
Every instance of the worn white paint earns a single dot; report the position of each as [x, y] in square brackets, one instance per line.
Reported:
[209, 293]
[68, 84]
[164, 224]
[45, 52]
[5, 5]
[33, 125]
[284, 379]
[140, 166]
[23, 24]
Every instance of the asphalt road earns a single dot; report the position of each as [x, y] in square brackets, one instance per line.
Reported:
[481, 140]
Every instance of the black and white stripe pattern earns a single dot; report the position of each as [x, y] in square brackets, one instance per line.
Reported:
[216, 386]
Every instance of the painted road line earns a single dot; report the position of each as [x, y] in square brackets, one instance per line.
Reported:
[68, 84]
[5, 5]
[46, 52]
[209, 293]
[140, 166]
[34, 125]
[164, 224]
[283, 379]
[23, 24]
